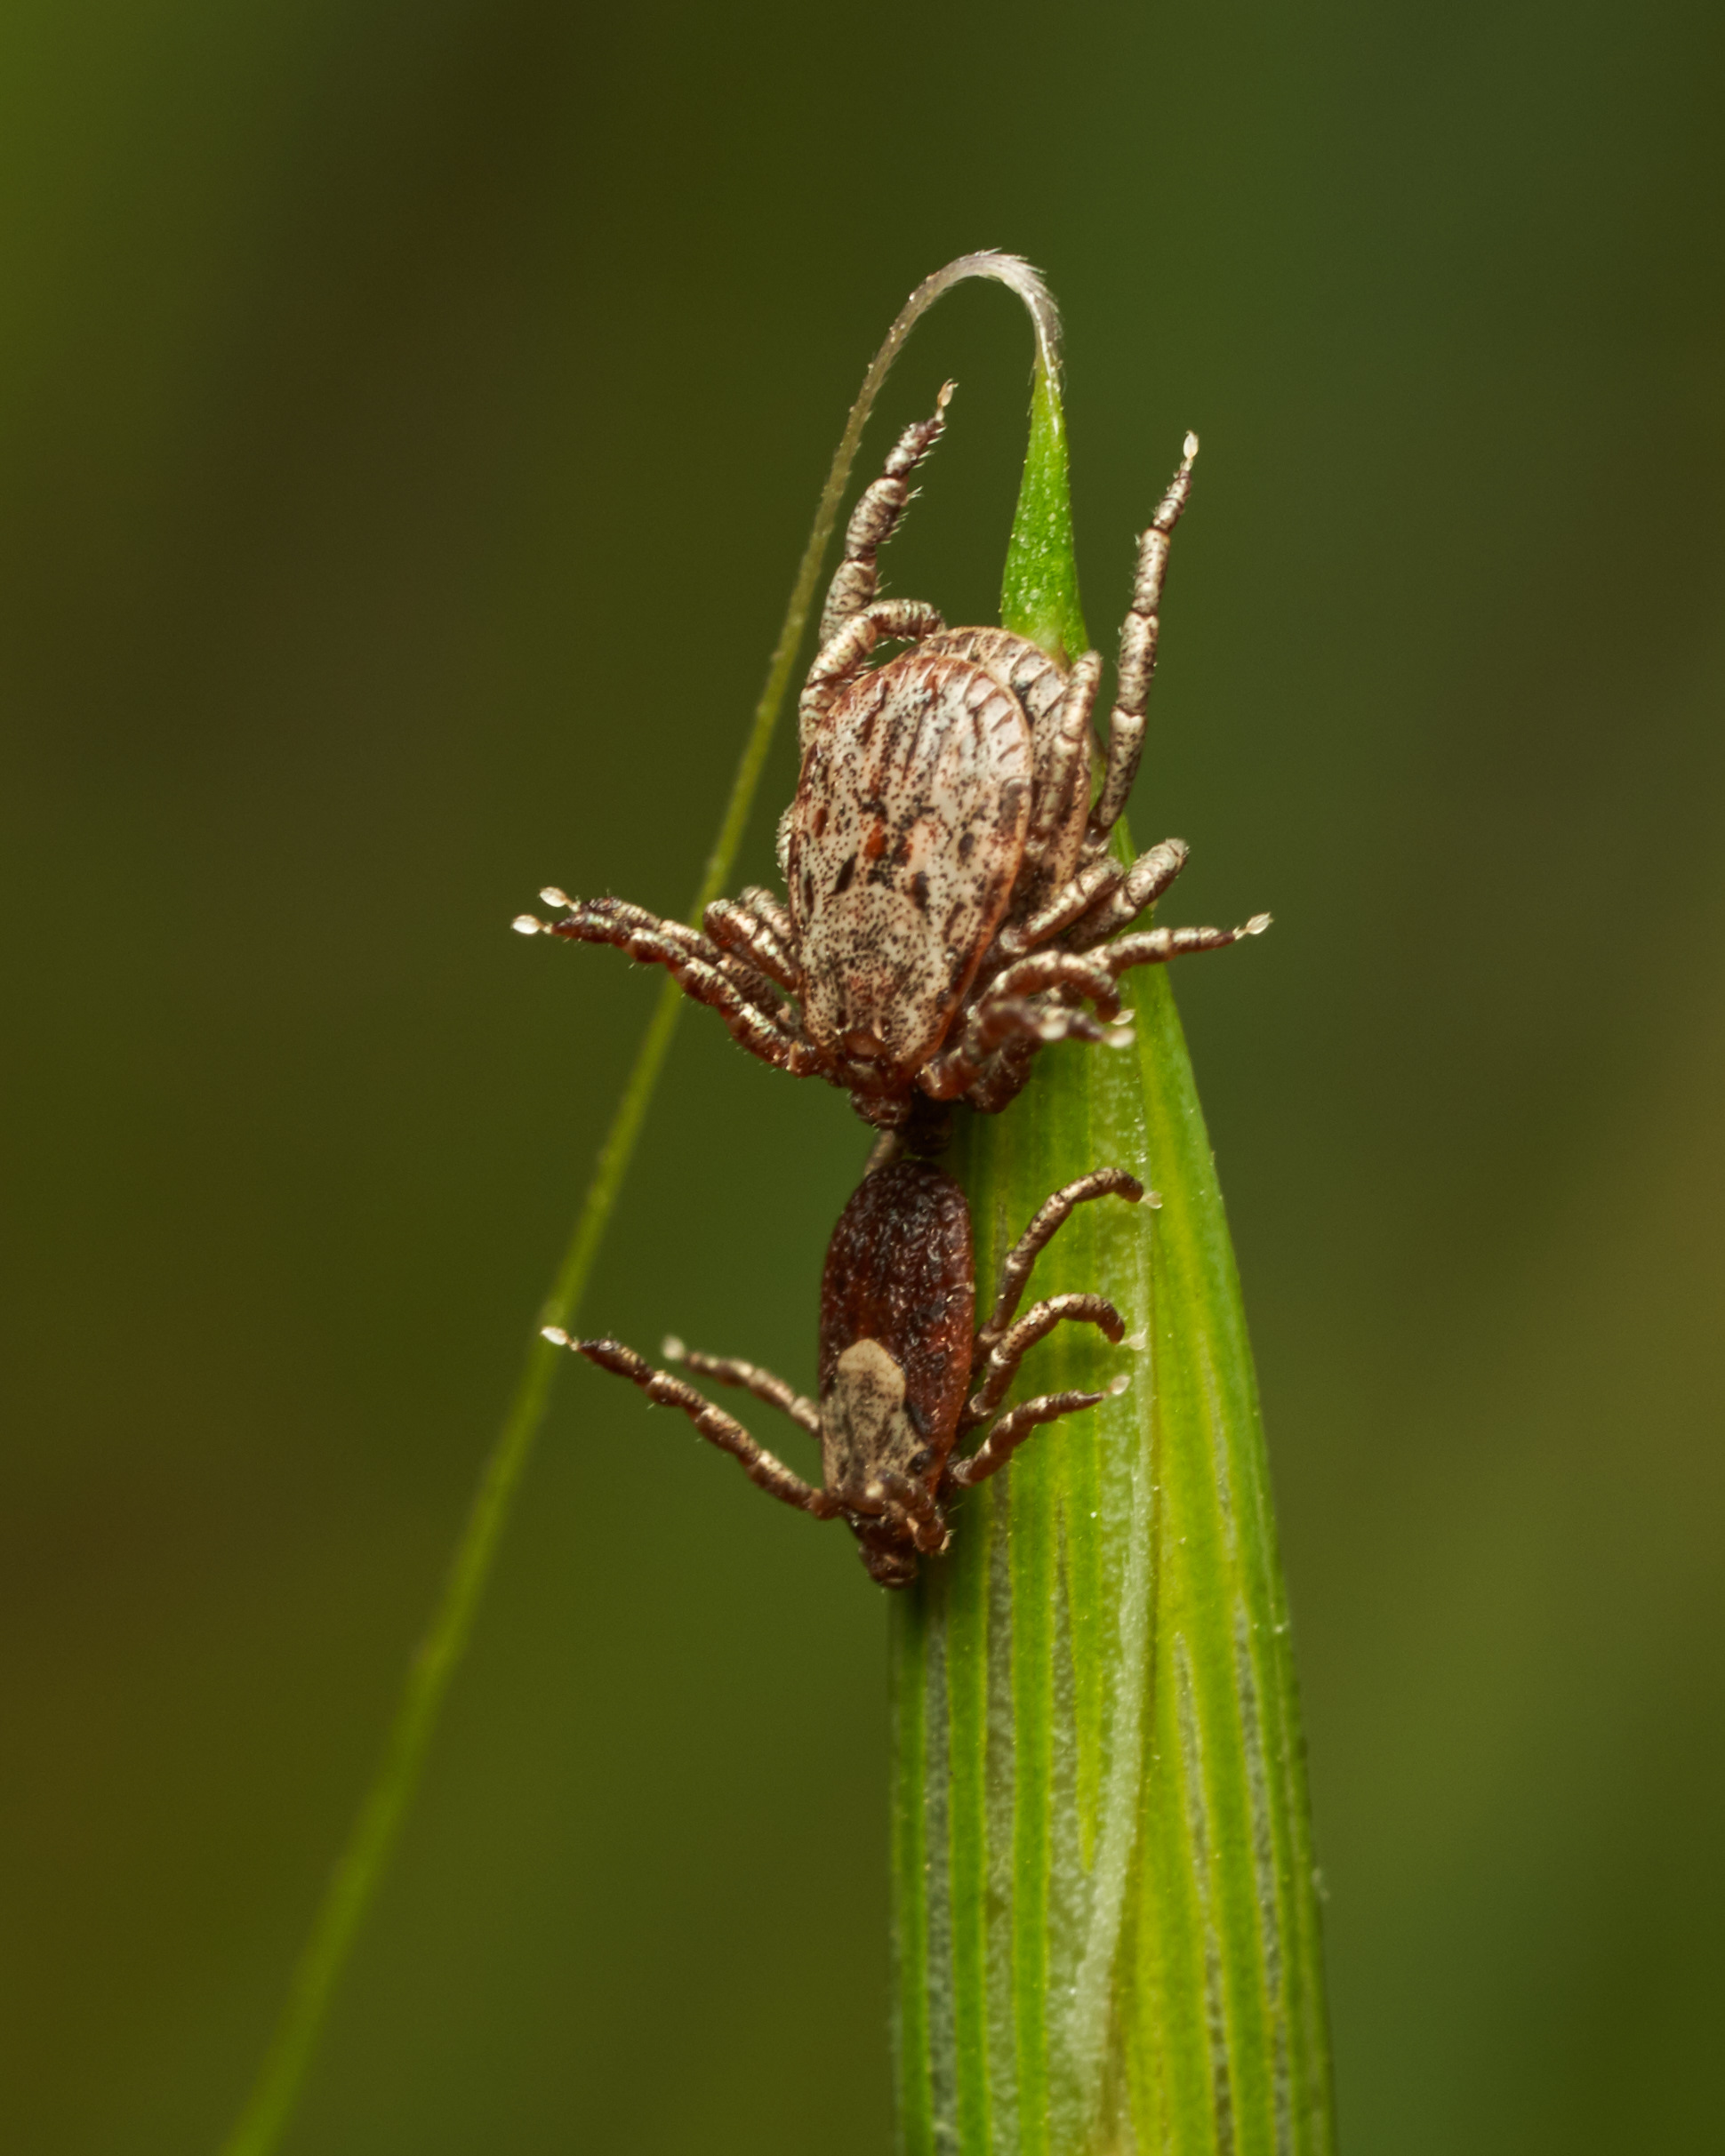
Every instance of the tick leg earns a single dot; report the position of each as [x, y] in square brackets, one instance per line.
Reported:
[1037, 1323]
[874, 519]
[613, 920]
[766, 908]
[1157, 946]
[1138, 635]
[1087, 889]
[742, 997]
[1003, 1077]
[1002, 1020]
[1120, 905]
[1014, 1427]
[743, 933]
[851, 644]
[995, 1031]
[905, 1507]
[1068, 761]
[762, 1468]
[922, 1515]
[1051, 1215]
[1003, 1029]
[988, 1065]
[731, 1370]
[1057, 969]
[1005, 1013]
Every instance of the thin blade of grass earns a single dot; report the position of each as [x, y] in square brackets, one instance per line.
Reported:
[365, 1856]
[1105, 1914]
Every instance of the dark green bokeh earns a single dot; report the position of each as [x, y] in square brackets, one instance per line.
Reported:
[409, 419]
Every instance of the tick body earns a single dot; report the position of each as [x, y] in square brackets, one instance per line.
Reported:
[905, 1375]
[953, 903]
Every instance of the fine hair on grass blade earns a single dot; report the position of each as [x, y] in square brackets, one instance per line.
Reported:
[1106, 1912]
[360, 1865]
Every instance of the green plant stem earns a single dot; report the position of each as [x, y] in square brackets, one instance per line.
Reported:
[365, 1858]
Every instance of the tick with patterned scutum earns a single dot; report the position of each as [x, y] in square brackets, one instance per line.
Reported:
[954, 904]
[904, 1375]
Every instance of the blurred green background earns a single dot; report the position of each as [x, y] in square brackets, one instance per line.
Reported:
[410, 417]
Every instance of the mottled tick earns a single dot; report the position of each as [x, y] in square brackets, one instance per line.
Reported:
[899, 1358]
[953, 901]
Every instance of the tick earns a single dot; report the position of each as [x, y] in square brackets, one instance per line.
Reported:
[899, 1361]
[953, 902]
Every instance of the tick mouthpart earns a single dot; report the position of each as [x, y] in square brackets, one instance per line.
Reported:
[529, 924]
[552, 896]
[555, 1335]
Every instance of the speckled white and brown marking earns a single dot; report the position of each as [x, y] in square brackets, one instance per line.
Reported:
[900, 1352]
[942, 836]
[908, 830]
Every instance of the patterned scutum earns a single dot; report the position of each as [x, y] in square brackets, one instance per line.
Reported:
[906, 839]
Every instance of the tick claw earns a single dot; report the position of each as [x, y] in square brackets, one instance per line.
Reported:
[552, 896]
[554, 1334]
[529, 925]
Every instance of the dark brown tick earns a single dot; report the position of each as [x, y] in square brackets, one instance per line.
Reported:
[899, 1358]
[953, 901]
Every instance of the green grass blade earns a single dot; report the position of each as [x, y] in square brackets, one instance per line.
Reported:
[1105, 1915]
[360, 1867]
[1039, 592]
